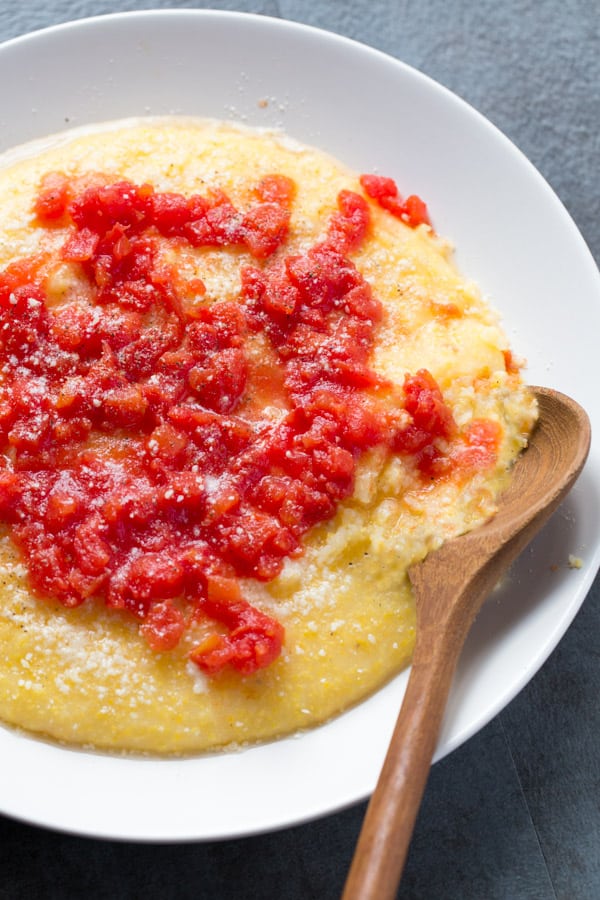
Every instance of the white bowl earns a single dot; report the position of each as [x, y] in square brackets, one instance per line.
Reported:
[513, 237]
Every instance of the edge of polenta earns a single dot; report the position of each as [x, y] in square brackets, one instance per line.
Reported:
[85, 676]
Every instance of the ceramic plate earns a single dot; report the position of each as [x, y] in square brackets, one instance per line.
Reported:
[513, 237]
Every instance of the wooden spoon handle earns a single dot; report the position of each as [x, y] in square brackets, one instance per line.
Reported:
[389, 821]
[450, 586]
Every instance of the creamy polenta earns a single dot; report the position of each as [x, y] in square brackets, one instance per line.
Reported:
[84, 666]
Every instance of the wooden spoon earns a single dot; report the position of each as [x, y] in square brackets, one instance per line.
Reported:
[450, 586]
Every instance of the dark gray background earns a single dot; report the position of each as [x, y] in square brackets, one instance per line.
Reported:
[515, 813]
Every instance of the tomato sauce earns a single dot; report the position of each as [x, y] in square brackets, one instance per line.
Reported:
[131, 469]
[411, 210]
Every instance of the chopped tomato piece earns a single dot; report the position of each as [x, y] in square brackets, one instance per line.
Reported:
[348, 227]
[138, 463]
[254, 640]
[163, 627]
[384, 191]
[53, 197]
[480, 445]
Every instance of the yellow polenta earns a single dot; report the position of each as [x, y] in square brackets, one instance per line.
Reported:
[85, 675]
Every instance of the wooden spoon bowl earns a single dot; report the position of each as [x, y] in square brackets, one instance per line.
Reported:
[450, 586]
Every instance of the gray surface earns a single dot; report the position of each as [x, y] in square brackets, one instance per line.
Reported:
[515, 813]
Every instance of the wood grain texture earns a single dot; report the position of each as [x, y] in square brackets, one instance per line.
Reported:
[450, 586]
